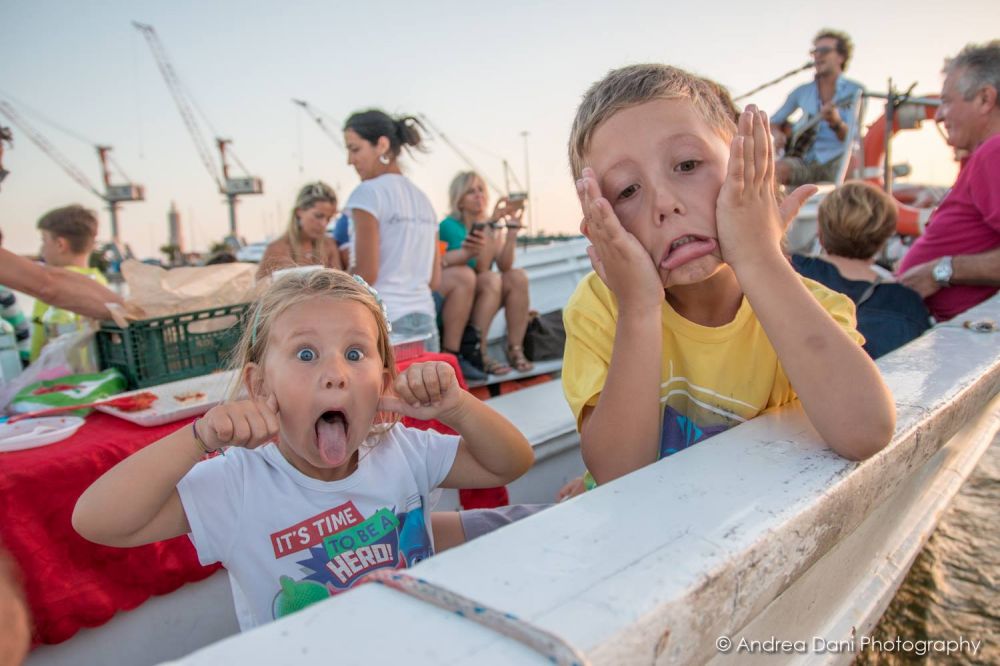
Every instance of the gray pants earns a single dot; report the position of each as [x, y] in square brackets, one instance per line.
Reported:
[477, 522]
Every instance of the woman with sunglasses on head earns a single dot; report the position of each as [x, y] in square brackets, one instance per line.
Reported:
[306, 242]
[477, 239]
[393, 224]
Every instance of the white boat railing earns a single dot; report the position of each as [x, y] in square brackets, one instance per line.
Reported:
[761, 533]
[553, 271]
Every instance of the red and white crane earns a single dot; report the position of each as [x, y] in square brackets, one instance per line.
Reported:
[113, 195]
[232, 187]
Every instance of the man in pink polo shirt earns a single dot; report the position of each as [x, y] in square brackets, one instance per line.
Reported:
[956, 263]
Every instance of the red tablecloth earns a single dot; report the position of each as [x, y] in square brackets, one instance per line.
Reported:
[72, 583]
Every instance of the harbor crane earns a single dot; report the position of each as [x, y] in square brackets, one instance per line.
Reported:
[231, 186]
[113, 195]
[320, 119]
[508, 172]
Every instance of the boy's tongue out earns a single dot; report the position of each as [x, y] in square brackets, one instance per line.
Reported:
[687, 249]
[331, 438]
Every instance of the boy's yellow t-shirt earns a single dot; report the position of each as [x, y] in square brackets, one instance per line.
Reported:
[711, 378]
[38, 335]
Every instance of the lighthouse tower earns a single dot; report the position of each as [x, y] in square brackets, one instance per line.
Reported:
[174, 226]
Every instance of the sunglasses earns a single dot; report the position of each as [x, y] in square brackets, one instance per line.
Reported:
[821, 50]
[318, 190]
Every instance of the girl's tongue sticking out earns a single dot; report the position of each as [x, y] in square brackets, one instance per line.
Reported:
[331, 438]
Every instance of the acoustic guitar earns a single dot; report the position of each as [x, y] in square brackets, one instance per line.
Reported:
[805, 131]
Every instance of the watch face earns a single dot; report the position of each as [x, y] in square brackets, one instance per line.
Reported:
[942, 272]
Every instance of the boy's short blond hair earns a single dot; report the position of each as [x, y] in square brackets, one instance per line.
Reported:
[638, 84]
[75, 223]
[856, 220]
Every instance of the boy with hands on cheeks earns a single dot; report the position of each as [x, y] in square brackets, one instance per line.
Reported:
[320, 484]
[694, 321]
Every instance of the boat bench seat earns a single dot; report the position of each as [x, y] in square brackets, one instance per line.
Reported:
[540, 412]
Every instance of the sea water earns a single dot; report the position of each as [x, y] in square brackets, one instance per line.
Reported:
[952, 591]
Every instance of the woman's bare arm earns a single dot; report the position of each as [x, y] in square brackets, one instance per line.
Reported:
[277, 254]
[56, 286]
[366, 244]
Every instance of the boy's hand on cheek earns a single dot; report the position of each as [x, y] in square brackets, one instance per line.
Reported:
[424, 391]
[616, 255]
[749, 222]
[792, 203]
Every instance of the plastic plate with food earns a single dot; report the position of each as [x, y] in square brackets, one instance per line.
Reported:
[29, 433]
[176, 400]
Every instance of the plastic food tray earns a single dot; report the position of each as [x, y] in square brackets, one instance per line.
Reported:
[168, 407]
[30, 433]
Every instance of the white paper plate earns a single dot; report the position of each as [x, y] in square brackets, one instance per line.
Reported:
[30, 433]
[169, 407]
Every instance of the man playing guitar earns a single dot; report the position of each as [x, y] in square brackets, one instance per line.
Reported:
[822, 102]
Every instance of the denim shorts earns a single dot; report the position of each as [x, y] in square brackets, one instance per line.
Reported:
[416, 324]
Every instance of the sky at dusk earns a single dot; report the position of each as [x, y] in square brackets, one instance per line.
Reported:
[482, 73]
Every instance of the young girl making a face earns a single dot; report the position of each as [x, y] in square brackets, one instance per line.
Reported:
[320, 485]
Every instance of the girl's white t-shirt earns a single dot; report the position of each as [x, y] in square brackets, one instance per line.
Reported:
[288, 540]
[407, 238]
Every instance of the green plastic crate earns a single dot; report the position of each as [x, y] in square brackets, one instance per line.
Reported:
[165, 349]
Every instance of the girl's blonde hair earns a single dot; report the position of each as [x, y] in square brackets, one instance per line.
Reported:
[297, 287]
[460, 184]
[309, 196]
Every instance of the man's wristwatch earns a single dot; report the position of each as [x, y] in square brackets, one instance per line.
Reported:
[942, 272]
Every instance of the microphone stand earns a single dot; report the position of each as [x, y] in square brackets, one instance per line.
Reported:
[777, 80]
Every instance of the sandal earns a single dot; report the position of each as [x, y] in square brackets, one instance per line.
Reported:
[494, 367]
[515, 354]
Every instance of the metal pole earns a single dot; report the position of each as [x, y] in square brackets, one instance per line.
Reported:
[890, 110]
[777, 80]
[113, 209]
[232, 216]
[527, 183]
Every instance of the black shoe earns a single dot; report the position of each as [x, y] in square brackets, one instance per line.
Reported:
[469, 371]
